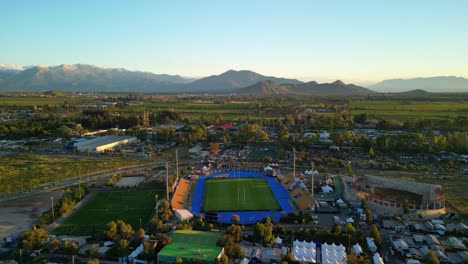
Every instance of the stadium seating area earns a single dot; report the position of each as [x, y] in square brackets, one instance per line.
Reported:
[180, 196]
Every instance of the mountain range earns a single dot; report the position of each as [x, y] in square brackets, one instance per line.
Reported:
[309, 88]
[89, 78]
[430, 84]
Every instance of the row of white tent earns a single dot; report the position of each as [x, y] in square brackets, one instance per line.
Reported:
[304, 251]
[333, 253]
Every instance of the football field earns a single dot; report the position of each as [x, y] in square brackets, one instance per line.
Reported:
[245, 194]
[129, 206]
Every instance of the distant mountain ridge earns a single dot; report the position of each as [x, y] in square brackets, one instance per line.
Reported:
[309, 88]
[85, 78]
[89, 78]
[232, 80]
[438, 84]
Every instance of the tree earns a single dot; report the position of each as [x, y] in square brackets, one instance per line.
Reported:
[118, 230]
[336, 229]
[431, 258]
[350, 229]
[121, 249]
[223, 260]
[214, 149]
[349, 169]
[376, 235]
[93, 251]
[148, 251]
[141, 234]
[33, 238]
[235, 218]
[111, 230]
[371, 153]
[70, 247]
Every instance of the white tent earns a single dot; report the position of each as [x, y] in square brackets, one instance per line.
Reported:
[327, 189]
[183, 214]
[304, 251]
[357, 249]
[278, 240]
[377, 259]
[333, 254]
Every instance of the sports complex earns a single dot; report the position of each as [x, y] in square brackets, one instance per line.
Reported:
[252, 196]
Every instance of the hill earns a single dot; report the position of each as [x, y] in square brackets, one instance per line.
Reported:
[265, 88]
[231, 81]
[440, 84]
[335, 88]
[310, 88]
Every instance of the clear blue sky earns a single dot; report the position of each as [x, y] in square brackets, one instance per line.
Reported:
[356, 41]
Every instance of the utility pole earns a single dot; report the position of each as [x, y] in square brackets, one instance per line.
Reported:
[313, 178]
[167, 181]
[52, 203]
[177, 162]
[294, 162]
[79, 187]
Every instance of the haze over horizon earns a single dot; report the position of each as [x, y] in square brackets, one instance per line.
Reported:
[361, 43]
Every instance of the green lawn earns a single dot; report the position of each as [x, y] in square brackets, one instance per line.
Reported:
[238, 195]
[104, 207]
[191, 245]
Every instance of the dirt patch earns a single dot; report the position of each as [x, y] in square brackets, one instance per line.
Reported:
[19, 215]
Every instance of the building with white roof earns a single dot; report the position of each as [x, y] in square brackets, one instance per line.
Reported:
[101, 144]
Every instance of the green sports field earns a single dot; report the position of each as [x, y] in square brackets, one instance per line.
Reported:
[191, 245]
[252, 194]
[104, 207]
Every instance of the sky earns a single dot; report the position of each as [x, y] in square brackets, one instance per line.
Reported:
[358, 42]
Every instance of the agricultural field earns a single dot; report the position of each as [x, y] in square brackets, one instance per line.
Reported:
[407, 109]
[110, 206]
[28, 172]
[40, 101]
[209, 111]
[249, 194]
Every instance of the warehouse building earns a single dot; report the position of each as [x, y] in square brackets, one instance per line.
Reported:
[101, 144]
